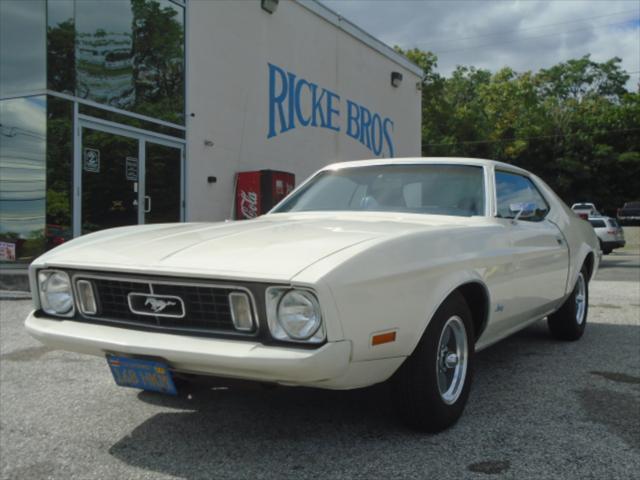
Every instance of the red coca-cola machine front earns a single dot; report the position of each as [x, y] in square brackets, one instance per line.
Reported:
[257, 192]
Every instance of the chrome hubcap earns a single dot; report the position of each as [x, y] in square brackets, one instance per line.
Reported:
[451, 368]
[581, 299]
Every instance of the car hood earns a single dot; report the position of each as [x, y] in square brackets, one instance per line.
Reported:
[274, 246]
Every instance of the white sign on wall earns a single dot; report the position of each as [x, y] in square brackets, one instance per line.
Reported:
[8, 251]
[91, 160]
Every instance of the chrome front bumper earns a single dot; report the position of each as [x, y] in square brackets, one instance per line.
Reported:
[208, 356]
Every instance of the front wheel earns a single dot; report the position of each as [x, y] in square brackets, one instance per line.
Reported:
[432, 386]
[569, 322]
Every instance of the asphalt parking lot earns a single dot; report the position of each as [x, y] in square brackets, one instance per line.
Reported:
[539, 408]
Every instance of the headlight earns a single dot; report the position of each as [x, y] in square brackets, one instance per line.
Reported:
[55, 293]
[294, 315]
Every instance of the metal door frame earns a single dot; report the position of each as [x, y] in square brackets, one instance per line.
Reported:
[142, 136]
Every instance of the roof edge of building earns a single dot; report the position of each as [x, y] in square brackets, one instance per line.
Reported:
[358, 33]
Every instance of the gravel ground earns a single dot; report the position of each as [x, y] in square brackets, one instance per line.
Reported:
[538, 409]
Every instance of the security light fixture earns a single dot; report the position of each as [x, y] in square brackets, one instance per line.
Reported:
[269, 5]
[396, 79]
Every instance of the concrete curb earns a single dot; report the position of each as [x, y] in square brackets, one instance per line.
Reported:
[14, 295]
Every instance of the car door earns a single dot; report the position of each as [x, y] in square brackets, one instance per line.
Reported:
[537, 276]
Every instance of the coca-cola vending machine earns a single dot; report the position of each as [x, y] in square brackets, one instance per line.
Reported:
[257, 192]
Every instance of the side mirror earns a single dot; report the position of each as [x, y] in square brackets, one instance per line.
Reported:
[523, 210]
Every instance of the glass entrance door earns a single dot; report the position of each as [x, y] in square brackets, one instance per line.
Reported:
[109, 180]
[163, 192]
[126, 178]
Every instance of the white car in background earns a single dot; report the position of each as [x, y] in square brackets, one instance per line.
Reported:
[369, 271]
[585, 210]
[610, 234]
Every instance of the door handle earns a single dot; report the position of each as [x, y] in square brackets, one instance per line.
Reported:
[147, 204]
[559, 240]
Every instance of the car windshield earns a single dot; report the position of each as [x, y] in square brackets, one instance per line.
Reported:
[439, 189]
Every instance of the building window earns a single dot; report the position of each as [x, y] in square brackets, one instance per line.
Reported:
[61, 38]
[22, 47]
[129, 54]
[59, 219]
[22, 178]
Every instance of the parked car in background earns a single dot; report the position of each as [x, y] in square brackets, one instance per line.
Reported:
[369, 271]
[585, 210]
[629, 214]
[610, 234]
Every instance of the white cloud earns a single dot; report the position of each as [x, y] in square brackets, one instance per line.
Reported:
[522, 34]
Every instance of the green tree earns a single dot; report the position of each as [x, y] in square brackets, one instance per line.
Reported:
[158, 66]
[574, 124]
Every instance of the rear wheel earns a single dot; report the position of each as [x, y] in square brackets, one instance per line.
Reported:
[432, 386]
[569, 322]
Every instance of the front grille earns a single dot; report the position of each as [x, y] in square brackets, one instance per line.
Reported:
[206, 307]
[112, 298]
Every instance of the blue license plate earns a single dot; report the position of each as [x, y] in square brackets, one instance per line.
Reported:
[145, 374]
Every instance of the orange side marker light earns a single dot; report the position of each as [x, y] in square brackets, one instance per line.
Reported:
[381, 338]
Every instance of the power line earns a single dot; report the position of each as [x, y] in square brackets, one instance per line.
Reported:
[475, 47]
[470, 142]
[538, 27]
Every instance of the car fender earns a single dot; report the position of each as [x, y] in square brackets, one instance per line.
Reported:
[450, 284]
[578, 233]
[375, 293]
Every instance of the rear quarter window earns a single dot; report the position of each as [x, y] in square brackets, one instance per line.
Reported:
[513, 188]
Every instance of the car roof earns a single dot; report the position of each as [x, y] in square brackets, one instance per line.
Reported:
[477, 162]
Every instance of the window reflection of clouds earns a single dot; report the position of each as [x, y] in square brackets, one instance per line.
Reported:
[22, 46]
[130, 55]
[112, 16]
[104, 52]
[59, 11]
[22, 166]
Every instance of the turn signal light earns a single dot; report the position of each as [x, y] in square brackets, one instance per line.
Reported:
[241, 311]
[381, 338]
[87, 298]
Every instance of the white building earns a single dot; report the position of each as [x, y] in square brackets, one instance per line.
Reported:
[253, 79]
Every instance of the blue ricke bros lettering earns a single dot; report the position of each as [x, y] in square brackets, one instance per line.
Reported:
[294, 101]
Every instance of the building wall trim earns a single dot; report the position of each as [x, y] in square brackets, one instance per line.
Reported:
[91, 103]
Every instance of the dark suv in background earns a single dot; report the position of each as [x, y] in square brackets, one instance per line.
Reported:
[629, 214]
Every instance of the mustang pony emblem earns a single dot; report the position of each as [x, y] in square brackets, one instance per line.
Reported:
[158, 305]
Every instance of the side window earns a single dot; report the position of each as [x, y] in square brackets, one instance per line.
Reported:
[513, 188]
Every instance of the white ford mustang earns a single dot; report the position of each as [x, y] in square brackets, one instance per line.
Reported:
[371, 270]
